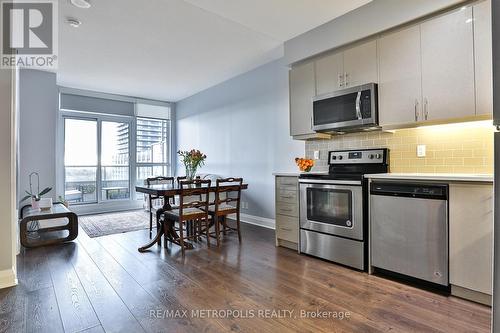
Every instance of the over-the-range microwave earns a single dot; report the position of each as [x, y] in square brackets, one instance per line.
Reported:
[346, 110]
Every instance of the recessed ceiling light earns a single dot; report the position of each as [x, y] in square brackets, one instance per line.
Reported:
[81, 3]
[73, 22]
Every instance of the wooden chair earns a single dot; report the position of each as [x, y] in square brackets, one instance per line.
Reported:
[153, 200]
[227, 191]
[191, 211]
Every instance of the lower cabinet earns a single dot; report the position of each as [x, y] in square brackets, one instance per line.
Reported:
[471, 241]
[287, 211]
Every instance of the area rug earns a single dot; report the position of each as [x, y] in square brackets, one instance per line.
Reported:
[114, 223]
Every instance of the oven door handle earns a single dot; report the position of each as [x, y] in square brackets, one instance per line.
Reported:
[358, 106]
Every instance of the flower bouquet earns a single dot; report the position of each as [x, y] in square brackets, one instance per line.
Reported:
[192, 160]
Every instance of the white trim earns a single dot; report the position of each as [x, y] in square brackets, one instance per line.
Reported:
[257, 220]
[8, 278]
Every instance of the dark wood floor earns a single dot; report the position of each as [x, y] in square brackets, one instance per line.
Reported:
[104, 284]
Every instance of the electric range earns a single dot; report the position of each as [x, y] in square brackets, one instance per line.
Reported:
[333, 206]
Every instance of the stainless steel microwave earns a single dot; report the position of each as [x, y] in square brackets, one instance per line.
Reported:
[346, 110]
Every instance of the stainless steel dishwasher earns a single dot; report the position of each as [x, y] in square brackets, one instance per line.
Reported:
[409, 229]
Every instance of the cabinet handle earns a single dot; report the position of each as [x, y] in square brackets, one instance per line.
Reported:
[416, 109]
[286, 197]
[426, 109]
[286, 210]
[341, 80]
[286, 229]
[311, 122]
[346, 79]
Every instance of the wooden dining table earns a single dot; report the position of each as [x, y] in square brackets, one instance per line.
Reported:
[167, 191]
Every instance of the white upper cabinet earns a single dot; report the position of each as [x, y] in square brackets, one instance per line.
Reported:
[483, 58]
[352, 67]
[400, 77]
[302, 90]
[330, 73]
[360, 64]
[448, 66]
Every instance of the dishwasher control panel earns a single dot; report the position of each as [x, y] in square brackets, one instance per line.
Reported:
[428, 191]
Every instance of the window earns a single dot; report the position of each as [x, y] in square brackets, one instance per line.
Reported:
[105, 156]
[110, 145]
[153, 153]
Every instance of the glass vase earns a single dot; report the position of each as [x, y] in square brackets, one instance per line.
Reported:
[190, 172]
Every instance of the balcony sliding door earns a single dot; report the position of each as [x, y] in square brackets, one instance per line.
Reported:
[115, 161]
[96, 160]
[80, 160]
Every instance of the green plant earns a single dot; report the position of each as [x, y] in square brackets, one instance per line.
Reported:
[38, 194]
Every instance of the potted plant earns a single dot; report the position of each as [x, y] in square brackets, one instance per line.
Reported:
[35, 196]
[192, 160]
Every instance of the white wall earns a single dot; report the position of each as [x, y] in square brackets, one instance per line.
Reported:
[243, 127]
[37, 128]
[365, 21]
[7, 179]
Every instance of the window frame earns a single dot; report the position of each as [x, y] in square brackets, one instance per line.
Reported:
[168, 153]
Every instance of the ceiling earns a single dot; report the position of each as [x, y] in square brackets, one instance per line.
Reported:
[172, 49]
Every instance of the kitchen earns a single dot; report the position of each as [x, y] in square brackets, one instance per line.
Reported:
[357, 136]
[398, 126]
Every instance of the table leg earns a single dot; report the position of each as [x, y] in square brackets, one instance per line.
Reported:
[158, 236]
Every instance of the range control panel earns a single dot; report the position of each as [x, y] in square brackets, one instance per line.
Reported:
[368, 156]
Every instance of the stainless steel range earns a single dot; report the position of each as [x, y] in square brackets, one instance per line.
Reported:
[333, 207]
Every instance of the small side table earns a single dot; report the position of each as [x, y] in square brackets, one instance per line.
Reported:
[56, 225]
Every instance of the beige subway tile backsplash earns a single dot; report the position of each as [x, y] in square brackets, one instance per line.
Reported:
[459, 148]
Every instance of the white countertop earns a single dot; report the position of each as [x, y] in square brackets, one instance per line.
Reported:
[294, 174]
[287, 174]
[451, 177]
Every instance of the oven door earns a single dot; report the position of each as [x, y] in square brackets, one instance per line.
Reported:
[332, 209]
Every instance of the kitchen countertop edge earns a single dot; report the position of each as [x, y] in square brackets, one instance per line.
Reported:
[483, 178]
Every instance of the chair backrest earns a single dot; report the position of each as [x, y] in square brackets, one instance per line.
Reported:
[160, 180]
[194, 188]
[228, 191]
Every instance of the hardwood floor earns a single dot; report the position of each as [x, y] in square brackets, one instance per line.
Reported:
[106, 285]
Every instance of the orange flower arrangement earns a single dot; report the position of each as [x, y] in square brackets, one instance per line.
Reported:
[304, 164]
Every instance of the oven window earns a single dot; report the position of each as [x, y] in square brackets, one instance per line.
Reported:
[330, 206]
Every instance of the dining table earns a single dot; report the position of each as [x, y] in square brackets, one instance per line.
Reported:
[167, 192]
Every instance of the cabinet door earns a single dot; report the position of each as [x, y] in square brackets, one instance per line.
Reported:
[360, 64]
[448, 66]
[302, 90]
[471, 236]
[483, 58]
[330, 73]
[400, 80]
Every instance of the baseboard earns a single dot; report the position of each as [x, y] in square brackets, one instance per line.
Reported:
[8, 278]
[257, 220]
[471, 295]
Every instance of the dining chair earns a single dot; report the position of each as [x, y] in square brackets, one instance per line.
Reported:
[193, 212]
[156, 202]
[227, 202]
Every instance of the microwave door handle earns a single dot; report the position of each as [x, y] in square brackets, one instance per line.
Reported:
[358, 106]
